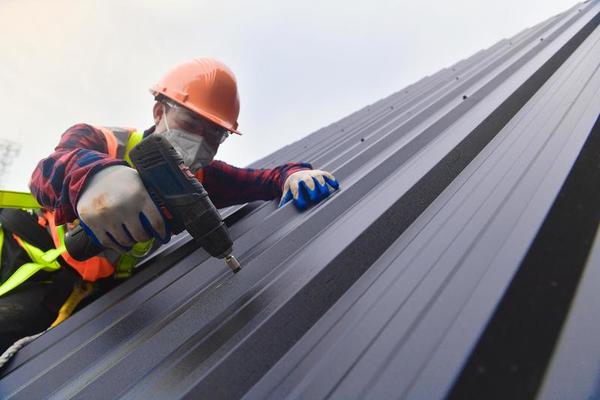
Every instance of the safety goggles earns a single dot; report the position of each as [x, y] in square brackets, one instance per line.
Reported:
[190, 122]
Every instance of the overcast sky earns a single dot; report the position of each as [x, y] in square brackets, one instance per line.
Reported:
[300, 65]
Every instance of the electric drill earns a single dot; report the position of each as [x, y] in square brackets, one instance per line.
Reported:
[180, 198]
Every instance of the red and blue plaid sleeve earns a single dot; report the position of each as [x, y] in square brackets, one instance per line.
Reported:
[228, 185]
[59, 179]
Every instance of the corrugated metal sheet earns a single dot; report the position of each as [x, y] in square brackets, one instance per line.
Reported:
[444, 267]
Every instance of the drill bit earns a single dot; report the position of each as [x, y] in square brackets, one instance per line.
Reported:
[233, 263]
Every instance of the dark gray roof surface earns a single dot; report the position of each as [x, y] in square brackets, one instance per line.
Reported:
[445, 265]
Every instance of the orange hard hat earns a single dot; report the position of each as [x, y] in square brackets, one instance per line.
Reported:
[205, 86]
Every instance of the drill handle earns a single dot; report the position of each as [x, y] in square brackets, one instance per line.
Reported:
[80, 245]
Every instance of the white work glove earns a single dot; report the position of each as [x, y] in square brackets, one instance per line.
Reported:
[118, 210]
[307, 187]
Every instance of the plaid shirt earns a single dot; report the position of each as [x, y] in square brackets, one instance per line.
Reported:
[58, 180]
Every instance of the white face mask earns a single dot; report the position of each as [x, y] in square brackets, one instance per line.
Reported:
[193, 149]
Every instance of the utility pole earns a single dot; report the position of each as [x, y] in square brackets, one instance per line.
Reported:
[9, 150]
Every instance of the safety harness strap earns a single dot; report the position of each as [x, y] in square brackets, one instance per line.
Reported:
[81, 290]
[10, 199]
[41, 261]
[35, 240]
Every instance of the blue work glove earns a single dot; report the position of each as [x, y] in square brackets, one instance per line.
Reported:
[308, 187]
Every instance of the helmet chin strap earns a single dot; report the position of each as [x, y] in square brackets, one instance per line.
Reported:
[165, 116]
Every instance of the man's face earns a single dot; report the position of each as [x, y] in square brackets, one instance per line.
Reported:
[173, 116]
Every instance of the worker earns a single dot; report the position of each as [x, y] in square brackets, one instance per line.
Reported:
[196, 108]
[87, 179]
